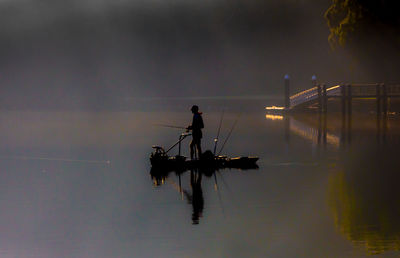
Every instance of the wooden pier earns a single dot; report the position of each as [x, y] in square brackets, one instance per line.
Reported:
[318, 97]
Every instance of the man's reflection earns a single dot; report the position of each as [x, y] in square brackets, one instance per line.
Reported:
[196, 197]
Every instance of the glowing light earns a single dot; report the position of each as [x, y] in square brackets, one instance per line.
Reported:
[303, 92]
[275, 108]
[332, 88]
[273, 117]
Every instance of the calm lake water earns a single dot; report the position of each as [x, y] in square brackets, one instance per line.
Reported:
[78, 184]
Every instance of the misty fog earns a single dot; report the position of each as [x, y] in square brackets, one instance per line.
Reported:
[86, 53]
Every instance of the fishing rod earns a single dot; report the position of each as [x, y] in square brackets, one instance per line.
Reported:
[171, 126]
[230, 133]
[219, 129]
[215, 150]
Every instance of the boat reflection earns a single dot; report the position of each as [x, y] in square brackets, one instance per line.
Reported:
[194, 196]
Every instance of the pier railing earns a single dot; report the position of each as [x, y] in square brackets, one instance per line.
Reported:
[303, 97]
[321, 93]
[313, 94]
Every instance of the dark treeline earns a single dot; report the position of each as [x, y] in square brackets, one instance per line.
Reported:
[349, 19]
[369, 31]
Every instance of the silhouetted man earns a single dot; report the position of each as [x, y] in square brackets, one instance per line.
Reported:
[197, 125]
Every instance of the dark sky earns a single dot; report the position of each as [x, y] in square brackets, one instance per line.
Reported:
[70, 51]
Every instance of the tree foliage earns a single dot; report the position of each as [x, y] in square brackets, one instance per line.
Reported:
[348, 19]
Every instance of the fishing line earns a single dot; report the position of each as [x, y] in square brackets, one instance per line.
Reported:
[232, 197]
[230, 132]
[219, 195]
[55, 159]
[223, 181]
[176, 186]
[219, 129]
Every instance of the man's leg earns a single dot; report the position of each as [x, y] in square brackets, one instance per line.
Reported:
[192, 148]
[198, 145]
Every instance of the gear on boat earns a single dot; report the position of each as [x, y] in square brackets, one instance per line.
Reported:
[160, 160]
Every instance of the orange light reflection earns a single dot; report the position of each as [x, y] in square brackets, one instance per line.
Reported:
[273, 117]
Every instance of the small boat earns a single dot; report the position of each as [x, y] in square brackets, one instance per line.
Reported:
[208, 161]
[160, 160]
[162, 165]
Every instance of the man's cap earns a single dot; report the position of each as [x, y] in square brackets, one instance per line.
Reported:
[194, 108]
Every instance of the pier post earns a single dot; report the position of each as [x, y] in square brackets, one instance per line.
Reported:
[287, 91]
[319, 136]
[378, 100]
[349, 118]
[384, 128]
[385, 113]
[349, 99]
[343, 132]
[343, 93]
[381, 123]
[349, 125]
[378, 113]
[343, 100]
[324, 98]
[324, 129]
[287, 128]
[385, 99]
[319, 98]
[314, 80]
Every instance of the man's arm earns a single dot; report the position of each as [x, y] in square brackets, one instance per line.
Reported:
[201, 124]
